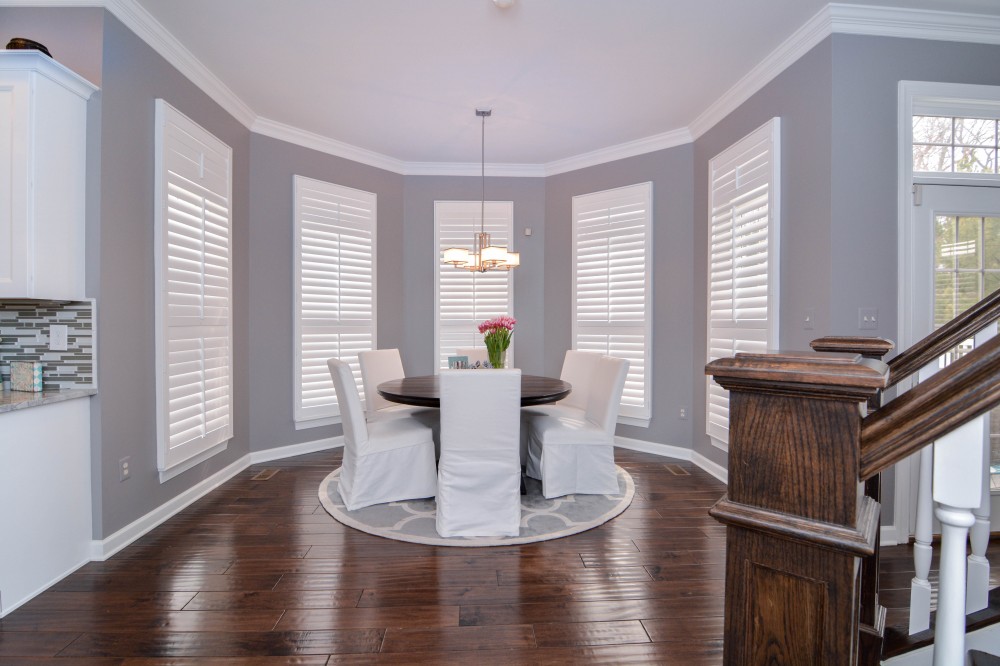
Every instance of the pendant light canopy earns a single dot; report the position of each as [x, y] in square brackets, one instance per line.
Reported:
[484, 256]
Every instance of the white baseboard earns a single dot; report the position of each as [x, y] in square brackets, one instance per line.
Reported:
[280, 452]
[5, 610]
[889, 536]
[713, 468]
[103, 549]
[666, 450]
[676, 452]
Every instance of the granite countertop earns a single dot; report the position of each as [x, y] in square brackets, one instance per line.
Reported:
[12, 400]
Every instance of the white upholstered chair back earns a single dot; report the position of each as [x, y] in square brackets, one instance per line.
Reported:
[351, 414]
[479, 472]
[605, 393]
[578, 369]
[474, 353]
[377, 366]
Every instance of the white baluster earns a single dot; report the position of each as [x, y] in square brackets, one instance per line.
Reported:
[949, 626]
[923, 551]
[920, 586]
[978, 585]
[958, 458]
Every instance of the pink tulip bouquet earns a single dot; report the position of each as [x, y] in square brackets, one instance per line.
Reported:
[496, 334]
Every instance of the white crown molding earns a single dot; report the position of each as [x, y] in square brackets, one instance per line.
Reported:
[323, 144]
[473, 169]
[649, 144]
[914, 24]
[833, 18]
[797, 45]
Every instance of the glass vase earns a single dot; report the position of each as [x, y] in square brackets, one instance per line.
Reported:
[498, 357]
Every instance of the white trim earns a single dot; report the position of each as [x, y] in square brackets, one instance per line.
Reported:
[649, 144]
[641, 422]
[317, 423]
[833, 18]
[101, 550]
[7, 610]
[676, 452]
[292, 450]
[473, 169]
[713, 468]
[889, 536]
[185, 465]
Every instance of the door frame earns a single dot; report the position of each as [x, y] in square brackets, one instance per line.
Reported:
[924, 98]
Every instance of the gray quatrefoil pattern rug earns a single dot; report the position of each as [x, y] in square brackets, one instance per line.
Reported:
[541, 519]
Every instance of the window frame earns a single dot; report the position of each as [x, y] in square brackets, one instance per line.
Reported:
[472, 208]
[327, 414]
[172, 461]
[642, 194]
[769, 132]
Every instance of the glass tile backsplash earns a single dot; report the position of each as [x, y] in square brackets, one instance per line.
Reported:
[24, 336]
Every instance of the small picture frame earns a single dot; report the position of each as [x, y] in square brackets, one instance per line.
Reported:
[458, 362]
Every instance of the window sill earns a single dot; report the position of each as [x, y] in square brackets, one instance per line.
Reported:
[641, 422]
[181, 467]
[317, 423]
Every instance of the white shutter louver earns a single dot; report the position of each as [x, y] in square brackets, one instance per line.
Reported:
[335, 290]
[743, 258]
[466, 299]
[194, 289]
[612, 295]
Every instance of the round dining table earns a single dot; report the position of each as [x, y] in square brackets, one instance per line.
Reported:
[424, 390]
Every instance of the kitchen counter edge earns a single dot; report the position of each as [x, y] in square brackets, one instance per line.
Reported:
[13, 400]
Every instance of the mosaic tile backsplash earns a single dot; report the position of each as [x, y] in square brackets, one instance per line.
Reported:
[24, 336]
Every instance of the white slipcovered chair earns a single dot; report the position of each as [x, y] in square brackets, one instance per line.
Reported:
[474, 353]
[578, 370]
[576, 455]
[479, 473]
[377, 366]
[384, 461]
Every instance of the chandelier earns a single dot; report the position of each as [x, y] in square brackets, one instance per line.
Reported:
[485, 256]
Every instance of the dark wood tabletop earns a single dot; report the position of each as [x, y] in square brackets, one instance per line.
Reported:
[423, 391]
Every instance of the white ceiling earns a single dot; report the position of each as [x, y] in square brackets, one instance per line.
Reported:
[402, 78]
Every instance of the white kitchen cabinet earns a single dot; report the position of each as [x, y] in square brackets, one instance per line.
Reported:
[43, 160]
[45, 498]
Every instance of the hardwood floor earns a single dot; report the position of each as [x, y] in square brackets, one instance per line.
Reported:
[257, 573]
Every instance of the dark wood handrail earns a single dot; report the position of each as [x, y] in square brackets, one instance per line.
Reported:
[968, 387]
[962, 327]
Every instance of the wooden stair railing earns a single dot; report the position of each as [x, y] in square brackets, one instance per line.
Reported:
[798, 526]
[797, 523]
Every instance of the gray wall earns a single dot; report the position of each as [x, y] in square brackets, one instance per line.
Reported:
[421, 261]
[273, 165]
[801, 96]
[671, 174]
[133, 77]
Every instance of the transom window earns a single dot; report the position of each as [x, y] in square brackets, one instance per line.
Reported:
[948, 144]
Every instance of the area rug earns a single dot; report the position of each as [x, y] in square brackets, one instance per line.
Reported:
[541, 519]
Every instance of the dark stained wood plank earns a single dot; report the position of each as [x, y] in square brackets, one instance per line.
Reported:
[592, 611]
[133, 621]
[369, 618]
[680, 629]
[571, 634]
[209, 644]
[35, 644]
[694, 653]
[274, 599]
[446, 639]
[226, 661]
[87, 602]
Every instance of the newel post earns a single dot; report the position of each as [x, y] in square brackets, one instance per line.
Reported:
[797, 517]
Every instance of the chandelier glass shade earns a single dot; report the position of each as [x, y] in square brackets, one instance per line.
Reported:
[484, 255]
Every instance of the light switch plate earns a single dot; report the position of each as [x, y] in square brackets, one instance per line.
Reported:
[867, 319]
[58, 337]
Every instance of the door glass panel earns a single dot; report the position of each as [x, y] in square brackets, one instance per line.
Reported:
[967, 269]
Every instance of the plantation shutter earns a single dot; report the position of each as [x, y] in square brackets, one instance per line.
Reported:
[335, 294]
[466, 299]
[612, 299]
[194, 289]
[743, 258]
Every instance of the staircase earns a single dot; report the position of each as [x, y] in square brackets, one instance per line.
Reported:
[809, 435]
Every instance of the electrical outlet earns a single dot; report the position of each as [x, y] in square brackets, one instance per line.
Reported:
[809, 319]
[683, 413]
[58, 337]
[123, 468]
[867, 319]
